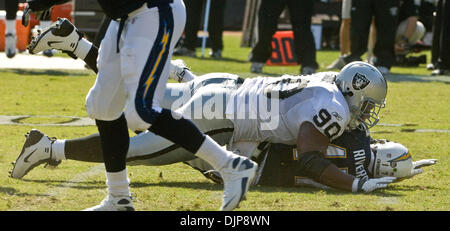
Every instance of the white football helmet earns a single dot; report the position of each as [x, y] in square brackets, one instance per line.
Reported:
[364, 89]
[391, 159]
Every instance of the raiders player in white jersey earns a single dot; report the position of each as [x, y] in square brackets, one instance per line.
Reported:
[308, 97]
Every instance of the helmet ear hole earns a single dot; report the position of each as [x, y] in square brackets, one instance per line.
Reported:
[348, 93]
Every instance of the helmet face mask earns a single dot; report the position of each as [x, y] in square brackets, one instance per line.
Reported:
[364, 89]
[391, 159]
[369, 111]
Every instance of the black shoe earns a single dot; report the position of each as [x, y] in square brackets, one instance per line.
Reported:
[440, 71]
[307, 70]
[48, 53]
[216, 54]
[183, 51]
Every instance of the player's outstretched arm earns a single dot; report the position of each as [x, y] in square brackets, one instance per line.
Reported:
[311, 145]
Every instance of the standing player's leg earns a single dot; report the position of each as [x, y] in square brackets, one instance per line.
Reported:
[215, 27]
[268, 14]
[10, 33]
[359, 29]
[344, 36]
[305, 49]
[105, 102]
[386, 26]
[189, 43]
[144, 111]
[443, 59]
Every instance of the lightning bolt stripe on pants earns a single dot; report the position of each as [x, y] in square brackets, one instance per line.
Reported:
[154, 66]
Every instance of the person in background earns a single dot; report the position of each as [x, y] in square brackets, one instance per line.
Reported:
[215, 27]
[344, 35]
[10, 31]
[441, 43]
[409, 31]
[300, 15]
[385, 14]
[12, 6]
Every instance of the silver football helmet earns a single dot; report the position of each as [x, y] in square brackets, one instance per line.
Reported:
[364, 89]
[391, 159]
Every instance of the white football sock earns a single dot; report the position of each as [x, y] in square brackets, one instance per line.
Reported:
[11, 26]
[82, 48]
[118, 183]
[58, 149]
[214, 154]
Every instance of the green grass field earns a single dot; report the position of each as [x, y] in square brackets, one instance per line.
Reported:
[415, 101]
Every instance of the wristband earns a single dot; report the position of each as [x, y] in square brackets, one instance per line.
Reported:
[358, 183]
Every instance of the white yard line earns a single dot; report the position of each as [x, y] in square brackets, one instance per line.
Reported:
[26, 61]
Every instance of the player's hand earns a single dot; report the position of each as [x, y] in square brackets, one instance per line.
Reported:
[369, 185]
[37, 7]
[417, 167]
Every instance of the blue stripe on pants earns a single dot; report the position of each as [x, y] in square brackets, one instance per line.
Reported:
[155, 66]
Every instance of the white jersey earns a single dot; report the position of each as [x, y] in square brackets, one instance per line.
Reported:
[272, 109]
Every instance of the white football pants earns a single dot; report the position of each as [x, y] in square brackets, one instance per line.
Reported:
[134, 76]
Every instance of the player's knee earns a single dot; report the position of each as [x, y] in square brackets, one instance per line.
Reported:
[100, 114]
[100, 111]
[135, 122]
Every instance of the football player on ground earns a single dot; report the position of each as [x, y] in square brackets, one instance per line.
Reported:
[133, 69]
[278, 163]
[350, 152]
[309, 111]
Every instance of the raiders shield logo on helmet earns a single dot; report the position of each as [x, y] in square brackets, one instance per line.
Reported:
[360, 81]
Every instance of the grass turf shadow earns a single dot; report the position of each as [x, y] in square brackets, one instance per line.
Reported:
[53, 73]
